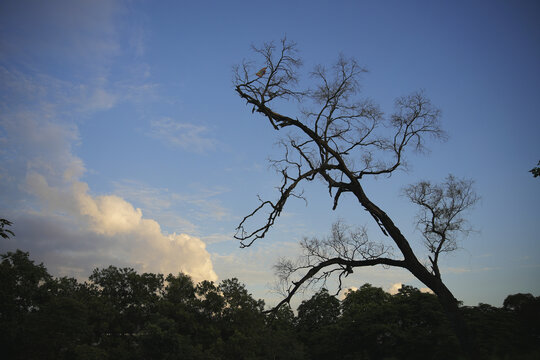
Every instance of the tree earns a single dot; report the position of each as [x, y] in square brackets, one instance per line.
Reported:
[441, 214]
[407, 325]
[318, 325]
[535, 170]
[23, 291]
[5, 233]
[342, 141]
[127, 300]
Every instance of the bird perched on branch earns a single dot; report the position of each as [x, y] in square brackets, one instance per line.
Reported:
[261, 72]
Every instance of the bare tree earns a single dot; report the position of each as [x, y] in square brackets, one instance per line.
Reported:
[441, 214]
[343, 140]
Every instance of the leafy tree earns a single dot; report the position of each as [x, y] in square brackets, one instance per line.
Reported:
[535, 170]
[22, 292]
[342, 141]
[494, 331]
[58, 327]
[408, 325]
[242, 322]
[423, 330]
[282, 341]
[125, 315]
[368, 324]
[318, 323]
[210, 304]
[23, 281]
[127, 300]
[525, 309]
[179, 304]
[5, 233]
[161, 338]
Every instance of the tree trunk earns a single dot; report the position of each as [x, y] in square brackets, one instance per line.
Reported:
[450, 305]
[445, 296]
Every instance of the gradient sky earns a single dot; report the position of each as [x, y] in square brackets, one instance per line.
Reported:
[123, 142]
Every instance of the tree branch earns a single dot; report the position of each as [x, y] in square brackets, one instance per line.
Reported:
[347, 264]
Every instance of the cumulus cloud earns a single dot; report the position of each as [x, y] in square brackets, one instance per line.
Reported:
[41, 180]
[394, 289]
[57, 217]
[343, 294]
[126, 233]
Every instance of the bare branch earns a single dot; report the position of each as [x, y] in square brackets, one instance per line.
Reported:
[440, 218]
[339, 253]
[343, 266]
[341, 138]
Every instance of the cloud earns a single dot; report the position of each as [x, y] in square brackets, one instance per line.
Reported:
[41, 185]
[199, 204]
[124, 230]
[343, 294]
[181, 134]
[394, 289]
[57, 217]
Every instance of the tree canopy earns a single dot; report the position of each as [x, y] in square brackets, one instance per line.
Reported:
[122, 314]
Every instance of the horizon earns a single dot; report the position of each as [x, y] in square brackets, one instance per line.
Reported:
[124, 143]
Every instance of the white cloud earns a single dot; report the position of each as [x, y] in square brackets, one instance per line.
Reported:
[39, 159]
[187, 136]
[394, 289]
[57, 216]
[132, 237]
[343, 294]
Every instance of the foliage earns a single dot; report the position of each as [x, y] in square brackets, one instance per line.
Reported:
[5, 233]
[121, 314]
[535, 170]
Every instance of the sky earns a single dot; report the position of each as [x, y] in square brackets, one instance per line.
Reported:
[123, 142]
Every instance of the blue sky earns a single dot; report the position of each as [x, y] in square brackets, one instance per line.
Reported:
[123, 142]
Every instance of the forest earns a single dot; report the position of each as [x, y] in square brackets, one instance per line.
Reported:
[122, 314]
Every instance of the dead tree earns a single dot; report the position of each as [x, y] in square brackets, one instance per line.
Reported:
[342, 140]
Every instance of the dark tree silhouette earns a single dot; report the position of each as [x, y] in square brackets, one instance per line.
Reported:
[123, 314]
[342, 141]
[535, 170]
[5, 233]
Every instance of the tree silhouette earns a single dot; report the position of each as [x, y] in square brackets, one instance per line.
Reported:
[122, 314]
[342, 140]
[5, 233]
[535, 170]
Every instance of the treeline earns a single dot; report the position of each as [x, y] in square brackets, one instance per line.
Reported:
[121, 314]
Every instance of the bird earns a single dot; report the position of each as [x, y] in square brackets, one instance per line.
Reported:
[261, 72]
